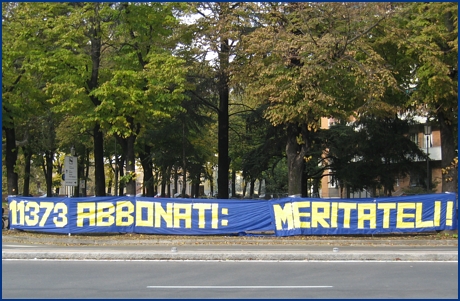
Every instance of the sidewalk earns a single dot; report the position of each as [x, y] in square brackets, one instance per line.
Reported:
[224, 248]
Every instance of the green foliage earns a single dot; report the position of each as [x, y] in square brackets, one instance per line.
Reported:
[56, 181]
[371, 153]
[427, 34]
[433, 42]
[264, 144]
[129, 176]
[276, 178]
[155, 92]
[137, 71]
[311, 61]
[415, 190]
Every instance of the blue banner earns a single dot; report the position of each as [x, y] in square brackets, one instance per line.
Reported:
[301, 216]
[138, 215]
[288, 216]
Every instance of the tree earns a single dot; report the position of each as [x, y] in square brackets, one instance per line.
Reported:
[77, 33]
[146, 81]
[88, 48]
[68, 136]
[276, 178]
[195, 145]
[371, 153]
[22, 87]
[432, 31]
[13, 76]
[311, 60]
[341, 155]
[264, 146]
[219, 27]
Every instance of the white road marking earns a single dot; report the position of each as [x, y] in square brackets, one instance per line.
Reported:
[237, 286]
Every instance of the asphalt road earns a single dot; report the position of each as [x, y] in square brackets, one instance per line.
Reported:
[205, 279]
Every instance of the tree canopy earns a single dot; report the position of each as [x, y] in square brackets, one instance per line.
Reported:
[183, 88]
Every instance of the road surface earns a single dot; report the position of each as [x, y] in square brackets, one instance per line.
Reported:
[233, 279]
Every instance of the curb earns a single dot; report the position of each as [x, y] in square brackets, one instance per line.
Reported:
[377, 255]
[264, 241]
[260, 256]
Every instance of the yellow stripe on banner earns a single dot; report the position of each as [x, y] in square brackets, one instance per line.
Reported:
[449, 210]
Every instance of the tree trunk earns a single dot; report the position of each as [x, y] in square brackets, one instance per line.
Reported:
[295, 153]
[233, 183]
[86, 172]
[163, 181]
[109, 186]
[48, 172]
[347, 191]
[373, 192]
[211, 183]
[165, 174]
[184, 183]
[95, 36]
[197, 189]
[176, 180]
[223, 120]
[184, 162]
[163, 188]
[11, 155]
[156, 183]
[450, 178]
[59, 171]
[168, 182]
[251, 191]
[121, 172]
[146, 161]
[316, 182]
[27, 157]
[99, 175]
[131, 166]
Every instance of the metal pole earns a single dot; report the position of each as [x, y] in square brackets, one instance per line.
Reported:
[427, 166]
[427, 132]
